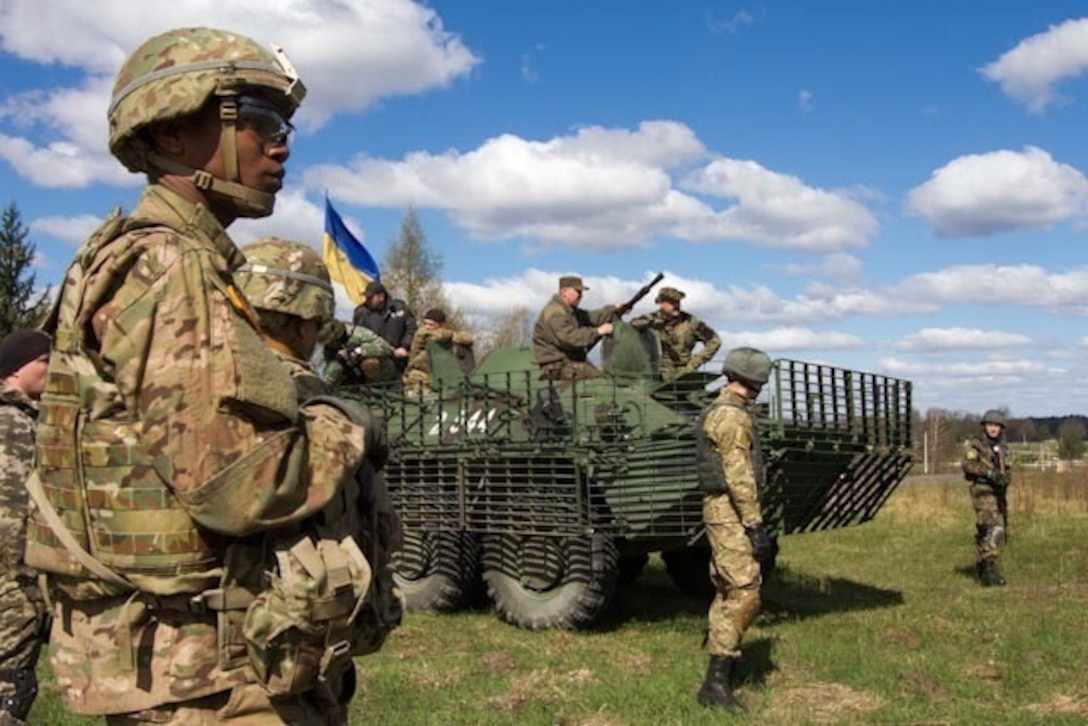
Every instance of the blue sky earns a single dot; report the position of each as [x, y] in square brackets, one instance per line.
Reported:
[896, 187]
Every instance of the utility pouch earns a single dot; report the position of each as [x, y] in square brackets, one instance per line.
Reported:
[298, 631]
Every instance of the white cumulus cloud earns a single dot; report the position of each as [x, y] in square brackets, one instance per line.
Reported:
[980, 194]
[606, 188]
[1029, 72]
[349, 54]
[933, 339]
[792, 339]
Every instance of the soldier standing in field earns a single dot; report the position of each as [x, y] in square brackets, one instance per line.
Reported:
[564, 333]
[24, 361]
[986, 467]
[731, 474]
[679, 332]
[171, 443]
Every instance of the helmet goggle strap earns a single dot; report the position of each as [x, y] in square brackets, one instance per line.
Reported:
[273, 129]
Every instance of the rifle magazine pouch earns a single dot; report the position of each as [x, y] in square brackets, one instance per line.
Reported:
[298, 630]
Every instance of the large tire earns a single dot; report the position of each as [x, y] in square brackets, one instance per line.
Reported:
[689, 568]
[437, 571]
[540, 583]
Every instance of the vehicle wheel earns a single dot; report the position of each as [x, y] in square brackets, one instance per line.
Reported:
[631, 566]
[550, 582]
[437, 571]
[689, 568]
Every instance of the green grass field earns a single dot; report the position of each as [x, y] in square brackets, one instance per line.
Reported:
[874, 624]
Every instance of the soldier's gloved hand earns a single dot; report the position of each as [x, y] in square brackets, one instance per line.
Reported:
[762, 545]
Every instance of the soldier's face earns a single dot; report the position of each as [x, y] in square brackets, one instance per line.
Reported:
[668, 307]
[30, 379]
[571, 295]
[261, 150]
[993, 430]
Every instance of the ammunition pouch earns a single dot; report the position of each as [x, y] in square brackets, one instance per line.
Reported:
[298, 631]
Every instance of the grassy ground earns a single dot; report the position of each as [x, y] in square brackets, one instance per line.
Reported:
[873, 624]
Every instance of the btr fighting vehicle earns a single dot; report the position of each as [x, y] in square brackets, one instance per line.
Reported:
[552, 492]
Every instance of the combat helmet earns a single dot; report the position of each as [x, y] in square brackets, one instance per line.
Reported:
[993, 416]
[174, 75]
[748, 365]
[286, 277]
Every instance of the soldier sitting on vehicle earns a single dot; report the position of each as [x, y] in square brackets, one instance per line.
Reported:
[564, 333]
[417, 379]
[678, 332]
[356, 357]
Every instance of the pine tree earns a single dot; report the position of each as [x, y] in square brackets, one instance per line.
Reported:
[20, 307]
[412, 270]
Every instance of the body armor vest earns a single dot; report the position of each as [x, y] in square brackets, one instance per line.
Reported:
[708, 462]
[93, 469]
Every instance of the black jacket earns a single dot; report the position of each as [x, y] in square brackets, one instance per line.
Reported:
[394, 322]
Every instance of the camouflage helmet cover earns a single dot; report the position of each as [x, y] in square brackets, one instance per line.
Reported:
[748, 365]
[287, 277]
[174, 74]
[671, 294]
[993, 416]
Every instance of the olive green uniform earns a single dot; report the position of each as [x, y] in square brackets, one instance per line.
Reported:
[563, 337]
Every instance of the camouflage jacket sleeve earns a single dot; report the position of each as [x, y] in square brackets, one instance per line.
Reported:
[977, 462]
[16, 461]
[642, 322]
[711, 344]
[215, 409]
[730, 429]
[566, 331]
[417, 356]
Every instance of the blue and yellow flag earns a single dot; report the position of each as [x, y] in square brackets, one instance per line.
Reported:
[348, 261]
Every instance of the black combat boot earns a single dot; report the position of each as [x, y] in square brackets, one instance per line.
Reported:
[717, 689]
[988, 574]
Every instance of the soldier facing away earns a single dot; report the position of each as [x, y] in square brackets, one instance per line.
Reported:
[731, 475]
[171, 443]
[24, 361]
[679, 332]
[986, 467]
[564, 333]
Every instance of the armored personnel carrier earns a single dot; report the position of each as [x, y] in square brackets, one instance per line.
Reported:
[552, 492]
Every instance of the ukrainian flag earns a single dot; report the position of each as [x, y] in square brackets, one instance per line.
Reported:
[348, 261]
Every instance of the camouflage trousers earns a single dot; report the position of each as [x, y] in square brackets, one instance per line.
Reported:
[22, 628]
[246, 705]
[989, 525]
[735, 575]
[416, 383]
[569, 370]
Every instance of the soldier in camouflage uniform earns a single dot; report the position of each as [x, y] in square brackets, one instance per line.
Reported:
[289, 286]
[731, 474]
[564, 333]
[171, 443]
[24, 359]
[678, 332]
[986, 467]
[357, 357]
[417, 378]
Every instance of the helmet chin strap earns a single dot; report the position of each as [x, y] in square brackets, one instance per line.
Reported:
[242, 200]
